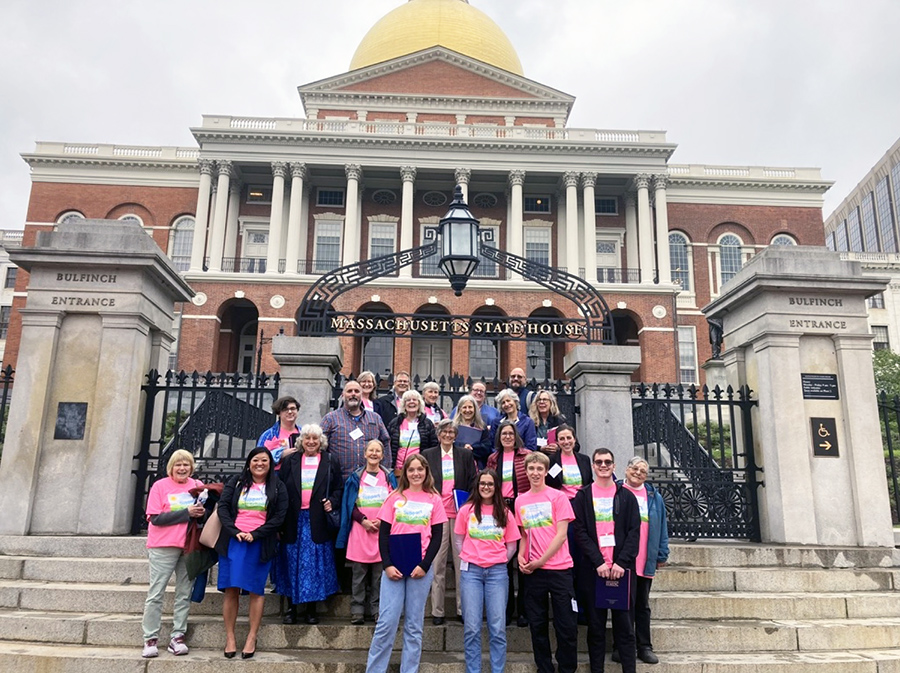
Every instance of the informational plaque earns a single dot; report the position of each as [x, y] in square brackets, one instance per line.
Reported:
[820, 386]
[71, 418]
[824, 437]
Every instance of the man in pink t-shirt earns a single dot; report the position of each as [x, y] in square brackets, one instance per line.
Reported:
[543, 515]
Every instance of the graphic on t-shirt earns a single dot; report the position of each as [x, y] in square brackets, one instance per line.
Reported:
[180, 501]
[536, 515]
[642, 505]
[447, 469]
[308, 477]
[603, 509]
[413, 513]
[253, 499]
[571, 475]
[486, 530]
[507, 470]
[371, 496]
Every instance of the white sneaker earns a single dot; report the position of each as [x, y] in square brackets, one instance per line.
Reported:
[150, 649]
[177, 646]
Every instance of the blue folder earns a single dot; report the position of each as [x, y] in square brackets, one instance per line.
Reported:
[614, 594]
[406, 551]
[460, 497]
[467, 435]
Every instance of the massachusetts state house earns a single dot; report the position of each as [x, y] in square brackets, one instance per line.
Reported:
[435, 96]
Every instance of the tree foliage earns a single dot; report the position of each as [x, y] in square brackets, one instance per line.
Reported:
[886, 364]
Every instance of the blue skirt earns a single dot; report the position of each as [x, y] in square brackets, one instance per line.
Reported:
[304, 571]
[242, 569]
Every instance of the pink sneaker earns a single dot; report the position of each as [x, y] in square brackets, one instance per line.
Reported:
[177, 646]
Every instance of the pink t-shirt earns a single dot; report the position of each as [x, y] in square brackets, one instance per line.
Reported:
[570, 476]
[413, 512]
[251, 509]
[507, 463]
[448, 484]
[409, 441]
[641, 495]
[362, 546]
[538, 513]
[277, 445]
[309, 465]
[167, 495]
[484, 544]
[603, 518]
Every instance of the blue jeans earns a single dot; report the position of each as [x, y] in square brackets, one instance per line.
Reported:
[406, 596]
[484, 588]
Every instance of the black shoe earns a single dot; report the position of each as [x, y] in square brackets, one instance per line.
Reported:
[509, 620]
[357, 620]
[247, 655]
[615, 657]
[522, 621]
[230, 655]
[646, 655]
[290, 615]
[438, 621]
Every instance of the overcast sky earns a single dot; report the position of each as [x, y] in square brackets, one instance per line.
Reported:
[735, 82]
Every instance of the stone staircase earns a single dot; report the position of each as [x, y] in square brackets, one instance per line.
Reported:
[73, 605]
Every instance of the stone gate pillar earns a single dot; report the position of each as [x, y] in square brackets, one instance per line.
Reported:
[602, 377]
[307, 366]
[795, 332]
[98, 316]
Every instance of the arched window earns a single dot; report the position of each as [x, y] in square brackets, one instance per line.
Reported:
[70, 216]
[730, 261]
[783, 239]
[131, 217]
[680, 260]
[182, 240]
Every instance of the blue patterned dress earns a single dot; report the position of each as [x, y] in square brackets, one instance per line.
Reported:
[304, 571]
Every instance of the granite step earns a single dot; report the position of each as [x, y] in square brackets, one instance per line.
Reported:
[27, 658]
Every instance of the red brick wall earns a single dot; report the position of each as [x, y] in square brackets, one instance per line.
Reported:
[437, 78]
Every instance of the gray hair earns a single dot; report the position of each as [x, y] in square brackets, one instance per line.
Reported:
[507, 393]
[637, 460]
[313, 430]
[408, 395]
[431, 385]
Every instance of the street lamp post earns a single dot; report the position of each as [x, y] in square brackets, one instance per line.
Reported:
[459, 243]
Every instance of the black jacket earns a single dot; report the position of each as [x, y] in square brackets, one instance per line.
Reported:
[584, 466]
[384, 406]
[627, 522]
[427, 434]
[328, 484]
[464, 468]
[276, 508]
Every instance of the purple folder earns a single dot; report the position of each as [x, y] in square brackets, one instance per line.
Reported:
[406, 551]
[467, 435]
[614, 594]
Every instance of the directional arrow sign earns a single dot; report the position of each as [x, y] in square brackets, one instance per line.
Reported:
[824, 437]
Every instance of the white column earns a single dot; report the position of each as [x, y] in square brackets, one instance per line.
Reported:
[217, 234]
[214, 191]
[304, 227]
[351, 210]
[570, 180]
[562, 228]
[276, 217]
[201, 216]
[462, 177]
[408, 176]
[295, 211]
[590, 228]
[631, 233]
[231, 224]
[645, 227]
[514, 230]
[663, 261]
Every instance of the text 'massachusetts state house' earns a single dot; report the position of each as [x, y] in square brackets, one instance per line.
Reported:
[435, 96]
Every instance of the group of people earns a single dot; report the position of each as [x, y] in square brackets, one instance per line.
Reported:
[392, 486]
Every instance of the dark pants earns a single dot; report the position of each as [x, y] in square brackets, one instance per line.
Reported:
[557, 584]
[515, 602]
[596, 637]
[640, 614]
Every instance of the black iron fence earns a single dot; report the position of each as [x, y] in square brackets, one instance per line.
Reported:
[6, 386]
[699, 446]
[217, 417]
[889, 412]
[455, 386]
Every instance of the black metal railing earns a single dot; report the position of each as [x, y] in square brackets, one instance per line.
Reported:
[7, 375]
[606, 274]
[244, 264]
[889, 412]
[699, 446]
[217, 417]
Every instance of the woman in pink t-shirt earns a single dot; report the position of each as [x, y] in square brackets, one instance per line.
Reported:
[411, 432]
[170, 506]
[366, 381]
[416, 508]
[279, 439]
[485, 534]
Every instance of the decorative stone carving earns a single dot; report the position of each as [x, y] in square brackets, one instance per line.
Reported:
[570, 179]
[206, 166]
[642, 181]
[660, 181]
[225, 167]
[588, 179]
[408, 173]
[462, 175]
[298, 170]
[279, 169]
[353, 171]
[516, 177]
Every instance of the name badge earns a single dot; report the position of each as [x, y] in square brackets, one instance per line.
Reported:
[555, 470]
[356, 434]
[541, 441]
[370, 479]
[607, 540]
[463, 566]
[310, 460]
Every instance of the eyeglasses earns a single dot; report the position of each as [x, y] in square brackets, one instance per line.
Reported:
[603, 463]
[485, 484]
[292, 409]
[638, 470]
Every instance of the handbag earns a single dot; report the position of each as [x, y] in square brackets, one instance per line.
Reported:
[209, 534]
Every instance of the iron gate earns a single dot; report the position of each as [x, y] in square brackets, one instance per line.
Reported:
[699, 446]
[217, 417]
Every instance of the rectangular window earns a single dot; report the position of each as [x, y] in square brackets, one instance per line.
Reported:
[853, 231]
[483, 358]
[605, 205]
[829, 241]
[880, 342]
[487, 268]
[869, 227]
[687, 354]
[536, 204]
[4, 320]
[330, 197]
[11, 276]
[537, 244]
[382, 239]
[841, 236]
[876, 300]
[327, 254]
[885, 213]
[259, 194]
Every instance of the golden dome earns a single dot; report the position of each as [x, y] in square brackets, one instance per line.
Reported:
[420, 24]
